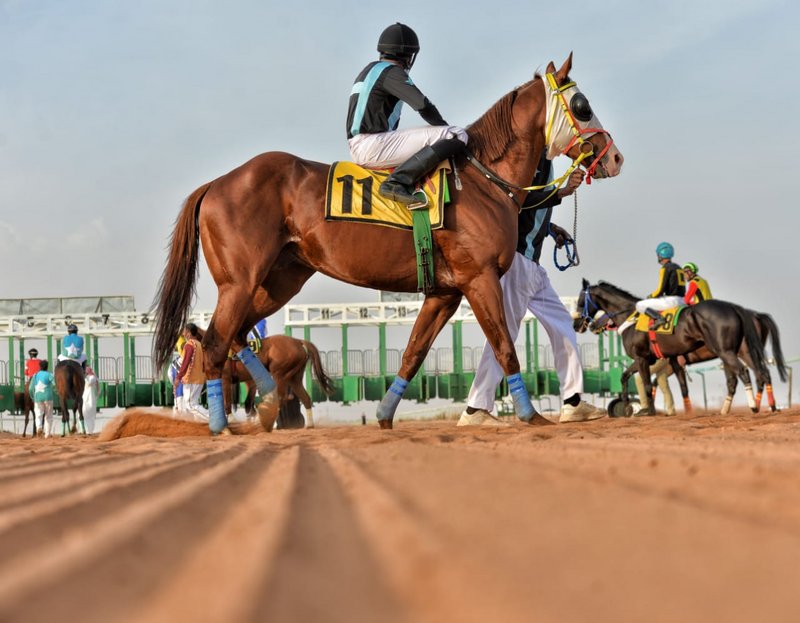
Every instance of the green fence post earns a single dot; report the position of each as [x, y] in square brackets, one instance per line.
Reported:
[11, 380]
[307, 338]
[382, 364]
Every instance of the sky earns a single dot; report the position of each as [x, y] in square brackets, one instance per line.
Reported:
[112, 112]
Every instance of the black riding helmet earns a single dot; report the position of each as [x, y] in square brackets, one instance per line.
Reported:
[398, 41]
[33, 352]
[72, 328]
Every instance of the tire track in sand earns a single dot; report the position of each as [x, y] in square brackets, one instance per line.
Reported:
[127, 542]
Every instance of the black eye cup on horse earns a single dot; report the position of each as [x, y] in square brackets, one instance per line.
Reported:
[580, 107]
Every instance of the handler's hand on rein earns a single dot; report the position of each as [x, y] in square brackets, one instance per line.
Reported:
[573, 181]
[560, 235]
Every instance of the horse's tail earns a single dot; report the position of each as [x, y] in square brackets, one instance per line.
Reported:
[316, 364]
[754, 345]
[177, 285]
[771, 329]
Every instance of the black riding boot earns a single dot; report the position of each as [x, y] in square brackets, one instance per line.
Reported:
[400, 185]
[658, 319]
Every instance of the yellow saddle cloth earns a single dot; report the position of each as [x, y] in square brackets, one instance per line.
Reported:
[670, 315]
[352, 195]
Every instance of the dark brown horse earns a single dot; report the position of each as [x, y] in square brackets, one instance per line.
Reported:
[70, 382]
[264, 234]
[24, 404]
[286, 359]
[765, 327]
[716, 326]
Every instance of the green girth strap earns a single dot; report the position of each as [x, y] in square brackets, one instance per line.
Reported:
[423, 245]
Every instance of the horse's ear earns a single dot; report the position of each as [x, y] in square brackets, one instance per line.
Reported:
[551, 68]
[585, 284]
[561, 75]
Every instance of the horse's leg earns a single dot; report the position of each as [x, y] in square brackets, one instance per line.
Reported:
[626, 375]
[763, 383]
[648, 408]
[227, 387]
[680, 373]
[433, 315]
[731, 361]
[64, 416]
[238, 309]
[730, 378]
[250, 399]
[485, 296]
[297, 388]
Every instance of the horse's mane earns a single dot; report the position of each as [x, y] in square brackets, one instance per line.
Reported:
[618, 291]
[493, 132]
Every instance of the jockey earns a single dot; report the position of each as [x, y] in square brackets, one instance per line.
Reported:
[698, 289]
[32, 365]
[374, 113]
[72, 347]
[671, 287]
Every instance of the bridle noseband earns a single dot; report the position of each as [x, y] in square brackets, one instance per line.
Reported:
[587, 314]
[586, 148]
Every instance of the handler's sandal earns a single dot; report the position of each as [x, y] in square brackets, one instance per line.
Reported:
[480, 418]
[583, 412]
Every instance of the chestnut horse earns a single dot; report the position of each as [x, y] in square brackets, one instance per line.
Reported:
[70, 382]
[264, 234]
[285, 358]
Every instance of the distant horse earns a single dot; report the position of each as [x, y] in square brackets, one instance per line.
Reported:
[264, 234]
[285, 358]
[766, 329]
[719, 326]
[70, 383]
[24, 404]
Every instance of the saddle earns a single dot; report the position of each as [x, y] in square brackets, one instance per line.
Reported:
[352, 195]
[670, 316]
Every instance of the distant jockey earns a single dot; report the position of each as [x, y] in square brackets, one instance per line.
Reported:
[671, 287]
[698, 288]
[32, 365]
[256, 334]
[72, 347]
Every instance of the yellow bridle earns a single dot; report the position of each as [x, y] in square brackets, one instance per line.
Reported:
[587, 149]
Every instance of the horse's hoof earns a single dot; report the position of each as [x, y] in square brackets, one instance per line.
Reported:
[385, 424]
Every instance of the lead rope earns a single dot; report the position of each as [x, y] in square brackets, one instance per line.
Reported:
[570, 246]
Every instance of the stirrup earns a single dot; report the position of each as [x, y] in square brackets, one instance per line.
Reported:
[422, 201]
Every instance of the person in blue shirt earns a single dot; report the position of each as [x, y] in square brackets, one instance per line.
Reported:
[41, 392]
[72, 347]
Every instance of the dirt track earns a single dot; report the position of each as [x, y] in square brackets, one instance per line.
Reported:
[651, 519]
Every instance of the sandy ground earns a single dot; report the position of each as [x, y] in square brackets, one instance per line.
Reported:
[650, 519]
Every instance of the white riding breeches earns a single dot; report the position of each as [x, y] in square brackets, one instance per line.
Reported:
[390, 149]
[526, 286]
[660, 304]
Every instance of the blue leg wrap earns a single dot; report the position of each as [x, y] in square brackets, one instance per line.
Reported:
[388, 405]
[217, 420]
[264, 381]
[519, 395]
